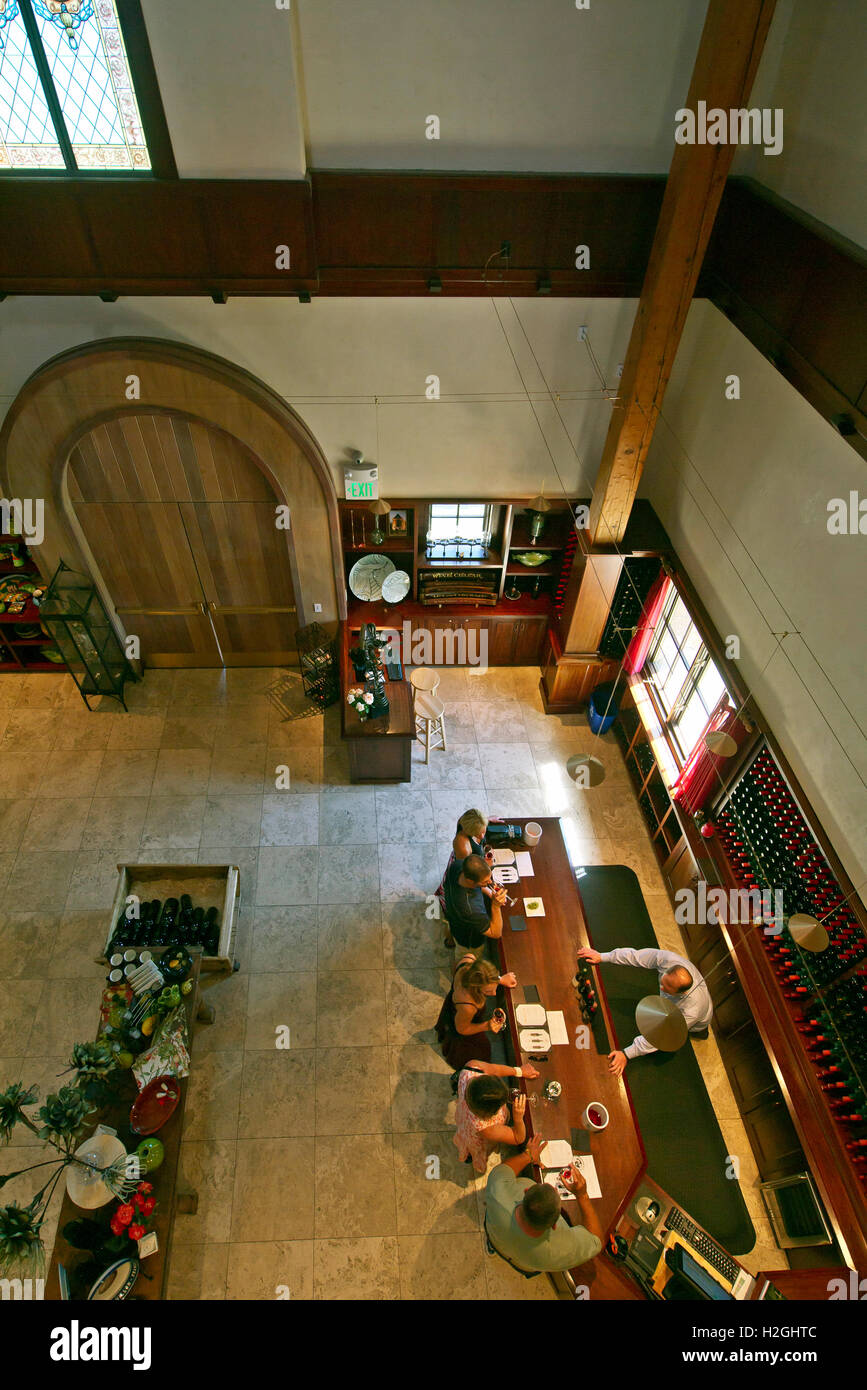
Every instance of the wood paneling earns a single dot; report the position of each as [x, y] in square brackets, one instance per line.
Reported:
[179, 516]
[155, 236]
[798, 292]
[84, 387]
[387, 233]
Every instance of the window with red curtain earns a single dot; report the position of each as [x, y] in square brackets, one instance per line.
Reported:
[700, 775]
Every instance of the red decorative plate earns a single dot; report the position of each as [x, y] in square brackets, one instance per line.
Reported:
[155, 1105]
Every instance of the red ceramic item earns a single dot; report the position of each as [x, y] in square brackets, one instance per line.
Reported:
[151, 1109]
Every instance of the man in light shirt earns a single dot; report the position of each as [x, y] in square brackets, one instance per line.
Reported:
[523, 1223]
[679, 981]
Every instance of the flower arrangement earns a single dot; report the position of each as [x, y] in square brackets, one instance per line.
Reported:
[360, 701]
[132, 1219]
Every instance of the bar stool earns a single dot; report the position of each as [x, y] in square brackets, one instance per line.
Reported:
[423, 679]
[430, 721]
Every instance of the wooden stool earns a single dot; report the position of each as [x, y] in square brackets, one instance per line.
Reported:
[424, 680]
[429, 721]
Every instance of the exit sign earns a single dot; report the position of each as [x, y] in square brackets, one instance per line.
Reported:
[361, 483]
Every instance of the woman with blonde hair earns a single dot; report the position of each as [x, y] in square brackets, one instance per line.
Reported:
[469, 839]
[463, 1027]
[470, 835]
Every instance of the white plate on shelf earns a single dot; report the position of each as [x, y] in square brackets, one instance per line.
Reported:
[368, 575]
[395, 586]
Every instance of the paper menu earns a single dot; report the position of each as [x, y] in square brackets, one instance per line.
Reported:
[557, 1027]
[587, 1165]
[524, 863]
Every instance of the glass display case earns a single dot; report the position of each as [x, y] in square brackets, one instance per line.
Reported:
[73, 612]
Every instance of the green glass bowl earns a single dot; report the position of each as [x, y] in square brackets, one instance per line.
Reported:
[532, 558]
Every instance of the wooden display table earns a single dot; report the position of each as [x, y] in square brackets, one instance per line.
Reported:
[153, 1277]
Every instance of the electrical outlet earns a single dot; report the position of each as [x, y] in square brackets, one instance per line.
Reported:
[582, 333]
[620, 369]
[317, 608]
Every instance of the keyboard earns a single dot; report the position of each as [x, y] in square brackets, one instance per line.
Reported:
[702, 1243]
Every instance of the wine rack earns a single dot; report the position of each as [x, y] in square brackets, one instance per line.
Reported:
[318, 659]
[635, 583]
[769, 846]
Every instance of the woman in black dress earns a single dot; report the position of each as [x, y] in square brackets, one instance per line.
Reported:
[462, 1027]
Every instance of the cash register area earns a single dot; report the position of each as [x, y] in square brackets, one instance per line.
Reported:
[312, 1167]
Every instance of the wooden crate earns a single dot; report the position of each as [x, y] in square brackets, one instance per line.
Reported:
[209, 885]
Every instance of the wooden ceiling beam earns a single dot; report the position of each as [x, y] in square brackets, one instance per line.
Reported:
[728, 56]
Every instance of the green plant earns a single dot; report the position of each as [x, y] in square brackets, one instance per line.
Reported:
[21, 1246]
[12, 1102]
[63, 1116]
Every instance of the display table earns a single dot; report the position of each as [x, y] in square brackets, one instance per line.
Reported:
[153, 1277]
[380, 750]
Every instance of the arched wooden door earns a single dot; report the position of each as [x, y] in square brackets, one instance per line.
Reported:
[182, 525]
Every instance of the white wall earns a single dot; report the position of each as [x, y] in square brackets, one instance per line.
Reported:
[813, 68]
[540, 86]
[356, 370]
[742, 488]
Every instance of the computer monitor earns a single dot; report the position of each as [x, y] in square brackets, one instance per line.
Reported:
[695, 1274]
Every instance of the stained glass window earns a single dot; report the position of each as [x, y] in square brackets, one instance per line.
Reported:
[67, 98]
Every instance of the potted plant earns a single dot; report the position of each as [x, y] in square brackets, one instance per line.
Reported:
[64, 1116]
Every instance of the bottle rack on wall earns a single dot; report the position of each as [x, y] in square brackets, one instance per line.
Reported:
[636, 581]
[769, 845]
[650, 786]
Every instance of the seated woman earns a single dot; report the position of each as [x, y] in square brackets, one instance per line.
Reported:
[482, 1116]
[462, 1027]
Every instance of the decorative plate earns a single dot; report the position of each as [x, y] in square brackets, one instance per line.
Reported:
[155, 1105]
[396, 586]
[367, 576]
[117, 1281]
[532, 558]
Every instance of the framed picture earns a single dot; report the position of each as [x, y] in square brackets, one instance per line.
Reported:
[397, 523]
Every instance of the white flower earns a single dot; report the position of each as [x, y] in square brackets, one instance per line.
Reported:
[368, 699]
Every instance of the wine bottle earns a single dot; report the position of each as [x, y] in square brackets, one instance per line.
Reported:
[211, 932]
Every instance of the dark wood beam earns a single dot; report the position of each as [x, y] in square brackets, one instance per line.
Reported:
[728, 56]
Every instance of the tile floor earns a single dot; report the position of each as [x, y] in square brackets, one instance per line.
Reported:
[310, 1164]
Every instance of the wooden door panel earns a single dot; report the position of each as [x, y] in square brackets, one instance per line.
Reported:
[142, 553]
[243, 564]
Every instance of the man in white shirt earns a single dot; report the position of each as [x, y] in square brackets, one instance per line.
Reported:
[679, 981]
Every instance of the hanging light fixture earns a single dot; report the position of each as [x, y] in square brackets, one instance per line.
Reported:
[537, 507]
[807, 933]
[720, 743]
[661, 1022]
[379, 508]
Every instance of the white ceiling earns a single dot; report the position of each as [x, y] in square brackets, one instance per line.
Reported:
[256, 91]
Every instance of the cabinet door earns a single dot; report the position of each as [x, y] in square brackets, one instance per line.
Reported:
[528, 639]
[500, 639]
[774, 1140]
[749, 1071]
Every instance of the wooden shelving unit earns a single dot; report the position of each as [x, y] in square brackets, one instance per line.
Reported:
[511, 535]
[22, 653]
